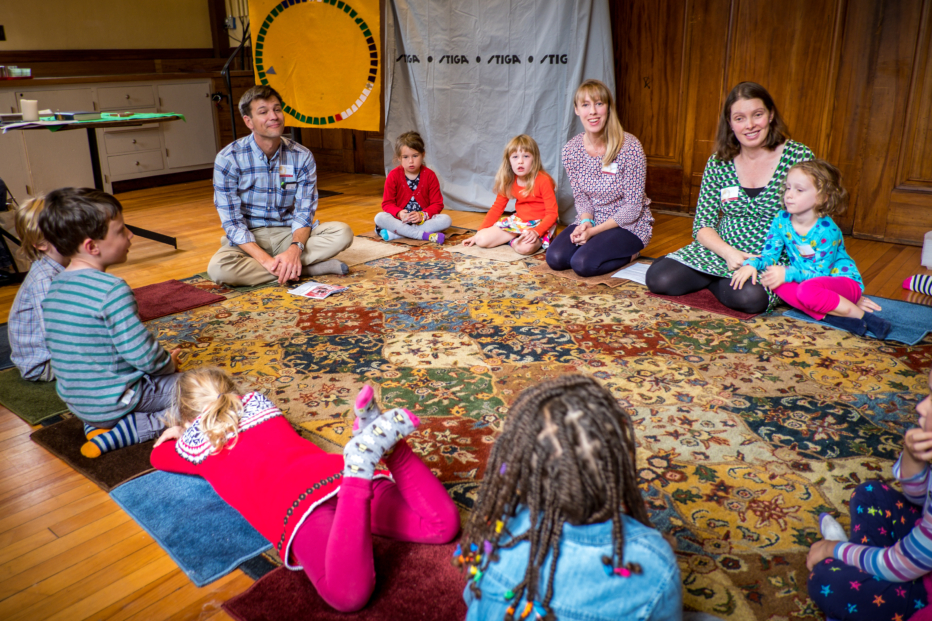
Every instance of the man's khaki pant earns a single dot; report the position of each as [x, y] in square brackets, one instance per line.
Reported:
[232, 266]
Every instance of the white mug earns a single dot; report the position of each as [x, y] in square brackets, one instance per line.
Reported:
[30, 109]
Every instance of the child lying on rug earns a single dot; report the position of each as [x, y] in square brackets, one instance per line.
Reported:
[412, 202]
[521, 176]
[317, 509]
[111, 372]
[557, 476]
[821, 279]
[27, 335]
[883, 570]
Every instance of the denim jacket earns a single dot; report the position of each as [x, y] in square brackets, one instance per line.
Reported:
[581, 589]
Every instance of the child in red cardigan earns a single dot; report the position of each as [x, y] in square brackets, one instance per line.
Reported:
[411, 203]
[316, 508]
[522, 177]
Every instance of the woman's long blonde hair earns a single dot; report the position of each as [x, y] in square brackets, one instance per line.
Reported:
[505, 177]
[211, 392]
[613, 134]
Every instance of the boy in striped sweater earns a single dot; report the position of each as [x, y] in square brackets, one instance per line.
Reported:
[883, 570]
[111, 371]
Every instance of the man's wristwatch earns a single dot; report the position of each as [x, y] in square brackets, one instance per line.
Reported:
[299, 245]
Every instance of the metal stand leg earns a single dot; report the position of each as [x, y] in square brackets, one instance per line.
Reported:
[99, 184]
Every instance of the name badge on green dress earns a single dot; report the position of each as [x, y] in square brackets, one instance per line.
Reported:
[730, 194]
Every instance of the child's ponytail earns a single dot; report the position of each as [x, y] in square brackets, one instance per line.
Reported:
[210, 393]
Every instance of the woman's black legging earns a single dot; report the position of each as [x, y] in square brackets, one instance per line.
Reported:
[670, 277]
[602, 253]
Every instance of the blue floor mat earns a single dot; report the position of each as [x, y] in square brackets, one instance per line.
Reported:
[203, 534]
[911, 322]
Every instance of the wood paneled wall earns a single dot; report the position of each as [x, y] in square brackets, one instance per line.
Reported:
[852, 78]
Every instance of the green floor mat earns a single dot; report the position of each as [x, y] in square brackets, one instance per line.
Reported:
[31, 401]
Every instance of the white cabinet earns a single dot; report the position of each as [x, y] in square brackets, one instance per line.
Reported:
[38, 161]
[192, 142]
[13, 168]
[59, 159]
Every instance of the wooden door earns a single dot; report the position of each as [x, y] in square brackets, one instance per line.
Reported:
[853, 80]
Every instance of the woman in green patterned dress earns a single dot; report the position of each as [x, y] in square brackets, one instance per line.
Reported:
[740, 194]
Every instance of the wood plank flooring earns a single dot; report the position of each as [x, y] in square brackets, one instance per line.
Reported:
[69, 552]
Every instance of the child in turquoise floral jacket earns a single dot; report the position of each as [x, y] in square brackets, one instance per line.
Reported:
[821, 279]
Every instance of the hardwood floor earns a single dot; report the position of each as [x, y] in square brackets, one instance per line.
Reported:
[67, 551]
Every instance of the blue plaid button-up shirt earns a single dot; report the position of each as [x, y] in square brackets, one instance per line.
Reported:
[253, 191]
[26, 330]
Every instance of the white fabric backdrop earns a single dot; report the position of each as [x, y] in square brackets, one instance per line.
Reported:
[468, 111]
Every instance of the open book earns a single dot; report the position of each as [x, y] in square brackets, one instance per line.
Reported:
[315, 290]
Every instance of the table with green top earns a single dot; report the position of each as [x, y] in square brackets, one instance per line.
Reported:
[108, 120]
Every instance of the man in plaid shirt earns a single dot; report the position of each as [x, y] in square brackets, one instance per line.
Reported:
[265, 189]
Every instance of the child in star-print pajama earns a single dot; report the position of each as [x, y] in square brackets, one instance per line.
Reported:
[883, 571]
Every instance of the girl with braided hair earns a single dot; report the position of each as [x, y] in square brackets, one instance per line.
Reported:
[559, 530]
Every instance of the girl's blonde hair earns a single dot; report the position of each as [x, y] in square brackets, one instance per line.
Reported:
[505, 177]
[27, 228]
[827, 181]
[612, 133]
[412, 140]
[211, 392]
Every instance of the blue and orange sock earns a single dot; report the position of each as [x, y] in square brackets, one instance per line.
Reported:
[123, 434]
[91, 432]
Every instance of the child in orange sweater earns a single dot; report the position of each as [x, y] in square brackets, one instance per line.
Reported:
[521, 177]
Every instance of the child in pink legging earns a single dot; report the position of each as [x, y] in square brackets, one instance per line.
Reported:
[821, 279]
[319, 510]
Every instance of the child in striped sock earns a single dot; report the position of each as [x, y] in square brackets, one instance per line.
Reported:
[884, 570]
[319, 510]
[920, 283]
[111, 372]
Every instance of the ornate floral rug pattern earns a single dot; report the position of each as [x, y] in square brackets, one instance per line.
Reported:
[747, 429]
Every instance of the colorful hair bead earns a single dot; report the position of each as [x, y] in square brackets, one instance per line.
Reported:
[478, 576]
[503, 468]
[473, 570]
[509, 595]
[540, 610]
[487, 547]
[498, 526]
[511, 610]
[473, 547]
[624, 572]
[527, 610]
[458, 551]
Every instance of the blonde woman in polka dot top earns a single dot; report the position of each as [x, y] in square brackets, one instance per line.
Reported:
[607, 168]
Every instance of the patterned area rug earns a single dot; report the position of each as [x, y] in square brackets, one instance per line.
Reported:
[747, 429]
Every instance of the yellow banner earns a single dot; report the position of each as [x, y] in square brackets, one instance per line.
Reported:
[323, 56]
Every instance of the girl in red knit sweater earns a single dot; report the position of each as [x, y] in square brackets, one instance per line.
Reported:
[521, 177]
[412, 202]
[319, 510]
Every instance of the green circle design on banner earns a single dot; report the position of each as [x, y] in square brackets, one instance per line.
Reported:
[276, 11]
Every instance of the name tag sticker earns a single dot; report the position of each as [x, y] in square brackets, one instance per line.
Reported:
[285, 171]
[805, 250]
[611, 169]
[127, 396]
[730, 194]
